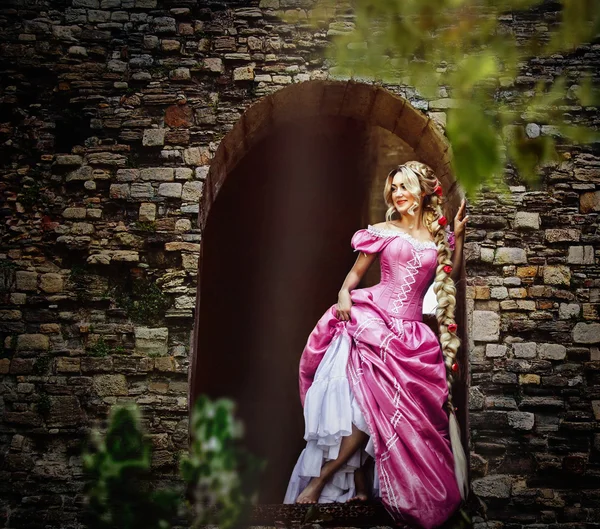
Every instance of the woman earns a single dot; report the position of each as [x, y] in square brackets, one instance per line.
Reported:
[373, 378]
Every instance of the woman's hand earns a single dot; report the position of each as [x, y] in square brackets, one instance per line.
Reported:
[344, 304]
[460, 220]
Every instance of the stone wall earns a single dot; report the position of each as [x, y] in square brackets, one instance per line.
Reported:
[110, 114]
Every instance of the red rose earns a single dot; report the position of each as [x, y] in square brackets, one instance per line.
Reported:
[442, 221]
[438, 190]
[455, 367]
[447, 269]
[452, 327]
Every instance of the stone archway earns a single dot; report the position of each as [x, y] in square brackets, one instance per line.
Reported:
[343, 108]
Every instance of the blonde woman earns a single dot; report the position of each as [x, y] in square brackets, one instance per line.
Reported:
[375, 380]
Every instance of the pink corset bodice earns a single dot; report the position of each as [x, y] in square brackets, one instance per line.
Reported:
[407, 270]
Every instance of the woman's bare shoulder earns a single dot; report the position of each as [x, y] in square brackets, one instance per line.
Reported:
[381, 226]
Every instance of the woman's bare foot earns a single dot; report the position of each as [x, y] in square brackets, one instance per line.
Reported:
[312, 492]
[360, 483]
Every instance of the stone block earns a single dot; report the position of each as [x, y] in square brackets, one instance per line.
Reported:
[128, 175]
[183, 225]
[586, 333]
[180, 74]
[527, 271]
[151, 341]
[110, 385]
[566, 311]
[26, 280]
[243, 73]
[10, 315]
[74, 213]
[171, 190]
[68, 159]
[182, 246]
[184, 173]
[164, 363]
[147, 212]
[498, 292]
[65, 364]
[154, 138]
[562, 235]
[65, 411]
[486, 326]
[521, 420]
[527, 221]
[81, 174]
[525, 350]
[557, 275]
[581, 255]
[4, 366]
[51, 283]
[189, 261]
[82, 228]
[185, 302]
[552, 351]
[141, 191]
[213, 65]
[196, 156]
[91, 4]
[589, 202]
[495, 350]
[510, 256]
[120, 191]
[158, 174]
[495, 486]
[529, 379]
[170, 45]
[192, 191]
[21, 366]
[125, 256]
[33, 342]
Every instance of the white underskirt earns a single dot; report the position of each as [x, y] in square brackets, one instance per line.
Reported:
[330, 409]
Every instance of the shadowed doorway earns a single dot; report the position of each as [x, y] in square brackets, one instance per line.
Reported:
[276, 249]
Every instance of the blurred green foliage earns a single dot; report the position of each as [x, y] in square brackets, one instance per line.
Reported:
[470, 51]
[118, 469]
[220, 474]
[219, 471]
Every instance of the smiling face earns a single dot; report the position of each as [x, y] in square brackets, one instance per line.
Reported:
[404, 191]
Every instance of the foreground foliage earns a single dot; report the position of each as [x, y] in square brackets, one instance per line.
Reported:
[469, 51]
[221, 476]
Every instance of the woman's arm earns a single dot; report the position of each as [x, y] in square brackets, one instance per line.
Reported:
[362, 264]
[457, 258]
[460, 223]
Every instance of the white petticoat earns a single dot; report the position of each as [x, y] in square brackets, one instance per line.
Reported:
[330, 409]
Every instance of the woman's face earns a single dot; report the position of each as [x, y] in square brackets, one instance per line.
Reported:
[401, 197]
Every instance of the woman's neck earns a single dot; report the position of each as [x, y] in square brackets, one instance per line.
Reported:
[409, 223]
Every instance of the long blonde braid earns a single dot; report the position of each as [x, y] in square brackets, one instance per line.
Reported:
[445, 292]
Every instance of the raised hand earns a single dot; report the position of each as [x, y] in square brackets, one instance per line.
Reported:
[460, 220]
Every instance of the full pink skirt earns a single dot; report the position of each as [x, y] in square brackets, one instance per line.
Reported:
[395, 389]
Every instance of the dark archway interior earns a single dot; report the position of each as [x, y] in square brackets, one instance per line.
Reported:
[276, 249]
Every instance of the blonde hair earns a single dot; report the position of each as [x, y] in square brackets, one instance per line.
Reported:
[417, 178]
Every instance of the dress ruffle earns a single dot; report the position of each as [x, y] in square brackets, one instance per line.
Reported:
[330, 410]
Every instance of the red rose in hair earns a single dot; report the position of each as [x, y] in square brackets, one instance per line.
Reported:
[447, 269]
[452, 327]
[442, 221]
[438, 190]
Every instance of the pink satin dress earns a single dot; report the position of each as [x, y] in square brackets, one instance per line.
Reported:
[382, 371]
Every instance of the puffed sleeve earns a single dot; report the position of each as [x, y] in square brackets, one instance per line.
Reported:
[371, 240]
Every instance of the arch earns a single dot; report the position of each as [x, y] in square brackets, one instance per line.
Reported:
[373, 105]
[370, 105]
